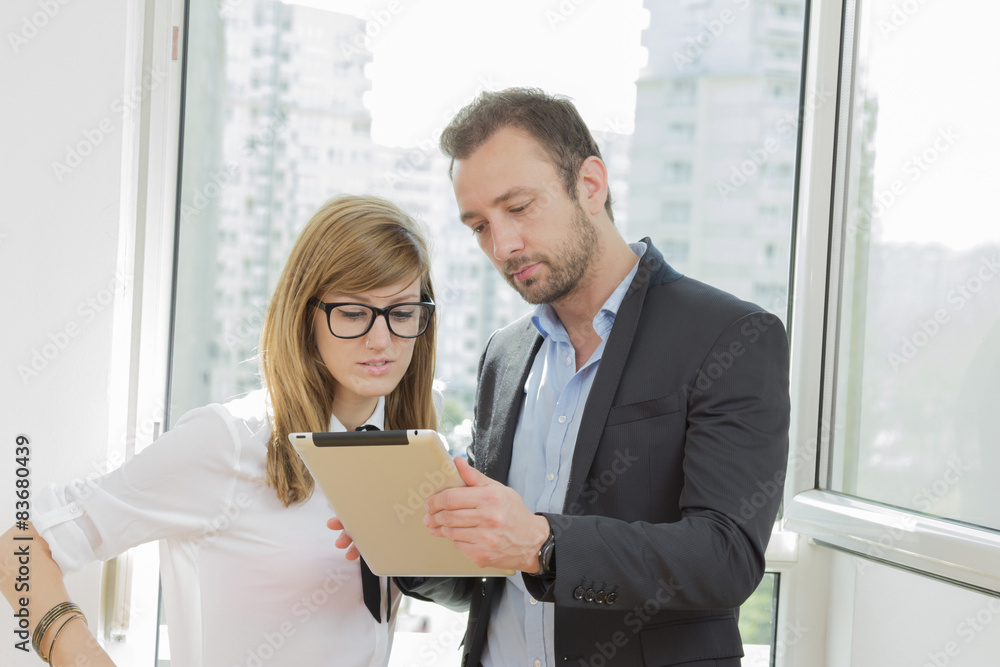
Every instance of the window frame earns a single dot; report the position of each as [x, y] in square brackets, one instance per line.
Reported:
[945, 549]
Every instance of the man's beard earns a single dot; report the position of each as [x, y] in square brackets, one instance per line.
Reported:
[566, 272]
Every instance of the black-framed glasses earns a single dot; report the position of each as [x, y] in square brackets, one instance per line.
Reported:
[353, 320]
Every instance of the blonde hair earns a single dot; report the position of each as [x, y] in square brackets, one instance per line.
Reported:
[352, 244]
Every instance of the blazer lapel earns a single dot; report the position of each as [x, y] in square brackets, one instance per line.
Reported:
[602, 393]
[516, 359]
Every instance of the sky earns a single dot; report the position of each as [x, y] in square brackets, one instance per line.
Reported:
[934, 70]
[430, 57]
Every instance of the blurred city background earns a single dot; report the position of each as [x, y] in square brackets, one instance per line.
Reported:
[696, 105]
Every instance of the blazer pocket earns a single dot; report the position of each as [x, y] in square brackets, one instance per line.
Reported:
[654, 407]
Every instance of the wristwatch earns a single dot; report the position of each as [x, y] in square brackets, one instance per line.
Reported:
[547, 556]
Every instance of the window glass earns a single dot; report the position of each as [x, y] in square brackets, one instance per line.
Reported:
[943, 625]
[915, 416]
[694, 106]
[757, 622]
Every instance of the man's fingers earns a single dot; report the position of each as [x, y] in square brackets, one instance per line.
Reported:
[334, 524]
[470, 536]
[470, 475]
[453, 518]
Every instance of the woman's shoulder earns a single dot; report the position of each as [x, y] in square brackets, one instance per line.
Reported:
[239, 424]
[249, 410]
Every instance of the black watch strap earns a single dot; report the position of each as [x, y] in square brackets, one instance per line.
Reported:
[547, 556]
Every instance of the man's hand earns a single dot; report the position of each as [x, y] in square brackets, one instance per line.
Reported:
[344, 540]
[487, 521]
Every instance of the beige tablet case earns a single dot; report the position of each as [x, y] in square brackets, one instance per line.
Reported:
[377, 482]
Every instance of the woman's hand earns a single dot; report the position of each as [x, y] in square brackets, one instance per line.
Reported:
[74, 645]
[344, 540]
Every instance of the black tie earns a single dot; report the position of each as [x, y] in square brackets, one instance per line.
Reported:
[371, 587]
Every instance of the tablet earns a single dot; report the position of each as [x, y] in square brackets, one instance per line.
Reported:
[376, 483]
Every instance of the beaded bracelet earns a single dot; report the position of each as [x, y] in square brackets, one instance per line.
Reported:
[72, 615]
[47, 621]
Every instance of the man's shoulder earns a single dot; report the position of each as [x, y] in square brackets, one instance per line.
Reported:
[668, 288]
[693, 300]
[519, 333]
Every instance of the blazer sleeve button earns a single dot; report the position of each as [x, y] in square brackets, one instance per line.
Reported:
[601, 597]
[578, 592]
[612, 598]
[589, 596]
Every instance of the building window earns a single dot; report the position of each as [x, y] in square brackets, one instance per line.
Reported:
[676, 212]
[680, 133]
[682, 93]
[676, 252]
[677, 172]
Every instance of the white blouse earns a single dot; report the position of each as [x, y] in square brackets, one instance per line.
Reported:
[245, 579]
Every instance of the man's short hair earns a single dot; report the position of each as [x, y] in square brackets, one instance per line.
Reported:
[552, 121]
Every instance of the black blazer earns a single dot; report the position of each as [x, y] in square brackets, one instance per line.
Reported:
[676, 478]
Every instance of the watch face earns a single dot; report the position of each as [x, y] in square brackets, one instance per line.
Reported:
[545, 555]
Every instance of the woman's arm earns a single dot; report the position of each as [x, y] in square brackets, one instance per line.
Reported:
[41, 590]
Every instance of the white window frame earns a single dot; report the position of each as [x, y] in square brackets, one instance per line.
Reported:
[154, 43]
[820, 522]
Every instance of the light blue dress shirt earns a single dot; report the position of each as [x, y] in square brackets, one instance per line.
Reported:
[521, 628]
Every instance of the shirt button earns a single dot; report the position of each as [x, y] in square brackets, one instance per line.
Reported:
[551, 476]
[562, 419]
[569, 360]
[534, 601]
[538, 663]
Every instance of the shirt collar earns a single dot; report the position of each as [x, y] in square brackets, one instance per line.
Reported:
[547, 322]
[377, 418]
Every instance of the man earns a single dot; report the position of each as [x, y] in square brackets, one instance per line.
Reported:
[630, 438]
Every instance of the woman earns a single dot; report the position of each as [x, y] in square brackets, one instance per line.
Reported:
[250, 573]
